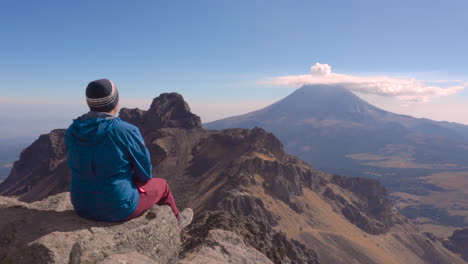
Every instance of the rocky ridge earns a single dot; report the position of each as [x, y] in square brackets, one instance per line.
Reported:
[41, 170]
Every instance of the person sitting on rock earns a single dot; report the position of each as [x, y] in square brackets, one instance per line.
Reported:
[111, 172]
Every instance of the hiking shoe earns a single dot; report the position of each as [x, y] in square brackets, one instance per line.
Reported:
[185, 217]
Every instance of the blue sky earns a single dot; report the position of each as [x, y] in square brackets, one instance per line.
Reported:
[216, 53]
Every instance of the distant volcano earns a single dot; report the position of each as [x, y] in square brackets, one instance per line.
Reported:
[321, 102]
[334, 130]
[313, 105]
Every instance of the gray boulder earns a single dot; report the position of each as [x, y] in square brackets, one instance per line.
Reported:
[49, 231]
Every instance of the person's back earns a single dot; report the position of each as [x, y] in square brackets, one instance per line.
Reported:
[101, 166]
[108, 159]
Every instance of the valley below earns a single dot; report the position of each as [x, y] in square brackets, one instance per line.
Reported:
[434, 196]
[441, 210]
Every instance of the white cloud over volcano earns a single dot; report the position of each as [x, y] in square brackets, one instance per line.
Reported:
[404, 89]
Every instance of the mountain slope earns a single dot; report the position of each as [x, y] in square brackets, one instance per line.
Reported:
[242, 181]
[336, 131]
[9, 152]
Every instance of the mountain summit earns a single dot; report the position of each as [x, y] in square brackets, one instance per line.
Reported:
[321, 102]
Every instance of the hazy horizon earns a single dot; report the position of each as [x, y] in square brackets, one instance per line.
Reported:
[29, 121]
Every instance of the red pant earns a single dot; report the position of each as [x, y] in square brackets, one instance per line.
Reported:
[156, 191]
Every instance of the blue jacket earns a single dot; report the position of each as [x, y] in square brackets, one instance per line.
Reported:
[105, 156]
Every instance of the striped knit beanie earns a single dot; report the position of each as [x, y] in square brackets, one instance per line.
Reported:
[102, 95]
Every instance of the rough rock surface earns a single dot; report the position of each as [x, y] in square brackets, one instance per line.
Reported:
[128, 258]
[275, 245]
[50, 232]
[220, 246]
[458, 243]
